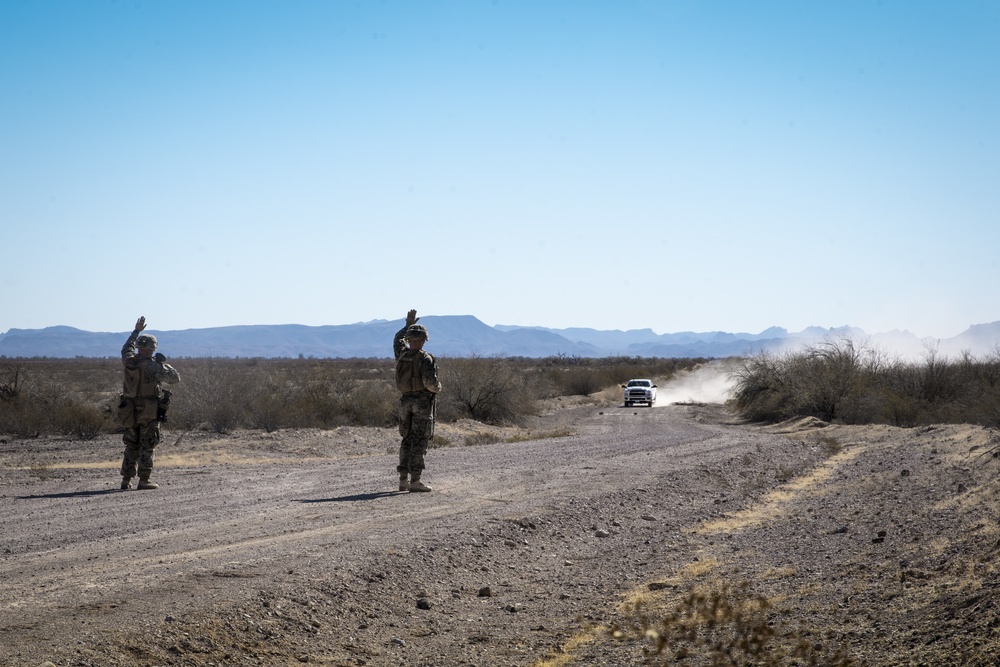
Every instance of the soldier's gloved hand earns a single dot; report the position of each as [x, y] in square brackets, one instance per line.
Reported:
[411, 317]
[160, 357]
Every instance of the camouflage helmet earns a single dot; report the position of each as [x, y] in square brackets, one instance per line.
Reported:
[146, 342]
[416, 331]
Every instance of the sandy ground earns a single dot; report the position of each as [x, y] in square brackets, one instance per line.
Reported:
[293, 547]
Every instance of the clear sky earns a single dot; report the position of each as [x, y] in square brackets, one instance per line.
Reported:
[674, 165]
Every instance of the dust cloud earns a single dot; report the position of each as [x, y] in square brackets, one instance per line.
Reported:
[706, 384]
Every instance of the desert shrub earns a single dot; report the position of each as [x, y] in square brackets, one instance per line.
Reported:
[314, 403]
[761, 391]
[216, 393]
[11, 380]
[718, 624]
[853, 384]
[268, 404]
[368, 403]
[835, 380]
[582, 382]
[23, 418]
[984, 407]
[33, 402]
[486, 389]
[83, 420]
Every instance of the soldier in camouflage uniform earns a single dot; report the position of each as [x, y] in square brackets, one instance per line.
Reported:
[140, 404]
[417, 381]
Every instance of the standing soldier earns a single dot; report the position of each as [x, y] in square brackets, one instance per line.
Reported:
[142, 405]
[417, 381]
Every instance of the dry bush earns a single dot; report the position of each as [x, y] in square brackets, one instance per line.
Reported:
[852, 384]
[215, 394]
[38, 398]
[761, 391]
[83, 420]
[364, 402]
[718, 624]
[487, 389]
[11, 380]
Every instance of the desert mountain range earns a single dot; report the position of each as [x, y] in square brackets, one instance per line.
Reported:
[465, 335]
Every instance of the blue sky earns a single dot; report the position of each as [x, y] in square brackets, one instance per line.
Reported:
[679, 166]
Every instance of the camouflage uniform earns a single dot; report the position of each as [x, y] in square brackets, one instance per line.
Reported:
[417, 380]
[143, 376]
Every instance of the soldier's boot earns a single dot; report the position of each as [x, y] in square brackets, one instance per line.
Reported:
[417, 485]
[404, 482]
[144, 483]
[126, 483]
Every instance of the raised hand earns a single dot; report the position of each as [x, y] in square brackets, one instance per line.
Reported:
[140, 323]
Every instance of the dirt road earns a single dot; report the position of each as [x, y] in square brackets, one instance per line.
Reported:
[293, 547]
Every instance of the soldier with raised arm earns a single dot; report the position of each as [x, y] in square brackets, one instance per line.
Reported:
[418, 384]
[142, 405]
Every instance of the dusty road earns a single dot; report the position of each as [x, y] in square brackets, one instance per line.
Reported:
[293, 547]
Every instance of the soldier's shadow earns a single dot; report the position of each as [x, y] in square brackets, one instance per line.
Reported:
[73, 494]
[356, 497]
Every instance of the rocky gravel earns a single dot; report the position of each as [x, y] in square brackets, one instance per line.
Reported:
[293, 547]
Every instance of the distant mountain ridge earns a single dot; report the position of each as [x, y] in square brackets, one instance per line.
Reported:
[465, 335]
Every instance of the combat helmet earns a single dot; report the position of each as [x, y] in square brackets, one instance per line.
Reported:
[146, 342]
[416, 331]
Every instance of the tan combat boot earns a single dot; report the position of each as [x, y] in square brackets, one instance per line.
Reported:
[404, 482]
[417, 485]
[126, 483]
[144, 483]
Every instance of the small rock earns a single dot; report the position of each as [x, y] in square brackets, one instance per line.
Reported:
[648, 517]
[423, 603]
[602, 533]
[485, 592]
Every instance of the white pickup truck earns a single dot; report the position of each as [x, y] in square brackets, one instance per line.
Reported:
[639, 391]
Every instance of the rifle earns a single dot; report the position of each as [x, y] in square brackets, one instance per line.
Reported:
[162, 405]
[433, 415]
